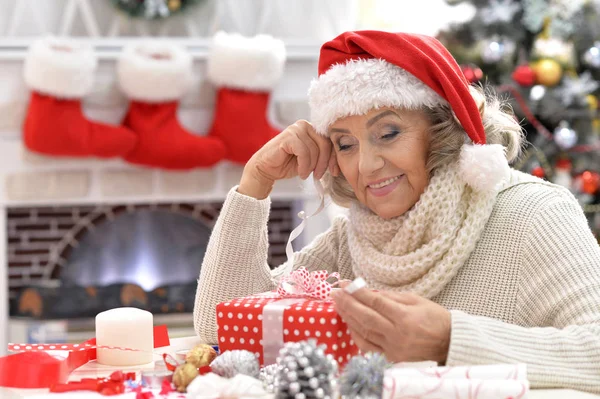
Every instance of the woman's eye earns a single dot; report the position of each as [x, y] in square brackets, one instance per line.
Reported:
[390, 135]
[343, 147]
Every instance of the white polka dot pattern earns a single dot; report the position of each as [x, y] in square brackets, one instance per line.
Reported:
[241, 326]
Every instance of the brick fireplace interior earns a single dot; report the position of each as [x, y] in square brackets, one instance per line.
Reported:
[70, 262]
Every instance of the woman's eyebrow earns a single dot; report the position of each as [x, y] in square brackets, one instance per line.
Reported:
[338, 130]
[374, 119]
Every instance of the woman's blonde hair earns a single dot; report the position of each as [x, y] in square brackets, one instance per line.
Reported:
[447, 138]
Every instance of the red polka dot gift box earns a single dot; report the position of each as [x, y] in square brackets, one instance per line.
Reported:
[300, 309]
[240, 326]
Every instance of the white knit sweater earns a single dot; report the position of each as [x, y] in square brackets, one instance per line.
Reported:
[529, 292]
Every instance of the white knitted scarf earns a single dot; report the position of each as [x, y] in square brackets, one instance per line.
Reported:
[422, 250]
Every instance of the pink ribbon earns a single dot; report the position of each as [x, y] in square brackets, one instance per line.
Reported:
[304, 284]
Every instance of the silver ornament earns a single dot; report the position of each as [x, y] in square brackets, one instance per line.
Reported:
[294, 388]
[300, 396]
[268, 377]
[292, 376]
[303, 361]
[564, 136]
[309, 372]
[313, 383]
[537, 92]
[363, 376]
[495, 50]
[592, 56]
[230, 363]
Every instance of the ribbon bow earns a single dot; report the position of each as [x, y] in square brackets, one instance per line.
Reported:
[304, 284]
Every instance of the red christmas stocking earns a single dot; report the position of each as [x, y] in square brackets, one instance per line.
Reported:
[155, 76]
[60, 72]
[245, 70]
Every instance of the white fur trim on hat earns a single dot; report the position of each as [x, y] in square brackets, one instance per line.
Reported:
[247, 63]
[155, 71]
[60, 67]
[359, 86]
[483, 167]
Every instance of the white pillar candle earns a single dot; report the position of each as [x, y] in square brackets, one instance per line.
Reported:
[125, 328]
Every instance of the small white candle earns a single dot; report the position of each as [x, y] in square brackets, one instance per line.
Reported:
[125, 328]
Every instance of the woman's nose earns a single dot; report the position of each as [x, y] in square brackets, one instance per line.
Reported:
[370, 160]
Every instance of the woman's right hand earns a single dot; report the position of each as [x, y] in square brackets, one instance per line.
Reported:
[297, 151]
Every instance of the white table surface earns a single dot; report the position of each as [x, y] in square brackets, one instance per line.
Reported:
[92, 370]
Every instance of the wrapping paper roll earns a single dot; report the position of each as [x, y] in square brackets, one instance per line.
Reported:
[436, 388]
[487, 372]
[476, 382]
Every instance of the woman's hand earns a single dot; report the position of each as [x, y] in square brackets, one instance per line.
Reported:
[297, 151]
[405, 327]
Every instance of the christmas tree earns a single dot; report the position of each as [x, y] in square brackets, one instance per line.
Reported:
[544, 56]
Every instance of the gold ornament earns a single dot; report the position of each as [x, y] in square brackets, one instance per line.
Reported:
[596, 126]
[201, 355]
[174, 5]
[184, 374]
[548, 72]
[592, 101]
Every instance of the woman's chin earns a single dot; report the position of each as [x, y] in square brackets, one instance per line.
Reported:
[388, 211]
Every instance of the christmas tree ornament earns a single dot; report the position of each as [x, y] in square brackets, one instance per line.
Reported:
[153, 9]
[565, 137]
[245, 70]
[538, 171]
[562, 173]
[524, 75]
[496, 50]
[574, 89]
[184, 374]
[268, 375]
[60, 73]
[590, 182]
[235, 362]
[592, 102]
[155, 75]
[548, 72]
[305, 371]
[472, 73]
[591, 57]
[201, 355]
[363, 376]
[537, 92]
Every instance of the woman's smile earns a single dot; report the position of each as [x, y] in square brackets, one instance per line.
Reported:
[384, 187]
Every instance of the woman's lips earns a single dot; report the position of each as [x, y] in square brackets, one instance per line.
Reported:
[385, 190]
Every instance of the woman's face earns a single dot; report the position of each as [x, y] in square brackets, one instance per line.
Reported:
[383, 155]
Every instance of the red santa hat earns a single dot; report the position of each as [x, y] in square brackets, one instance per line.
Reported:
[364, 70]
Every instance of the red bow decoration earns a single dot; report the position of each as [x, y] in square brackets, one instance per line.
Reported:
[302, 283]
[113, 385]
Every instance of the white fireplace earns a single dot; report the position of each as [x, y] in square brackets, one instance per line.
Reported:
[29, 182]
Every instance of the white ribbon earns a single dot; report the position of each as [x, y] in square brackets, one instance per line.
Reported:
[289, 250]
[272, 327]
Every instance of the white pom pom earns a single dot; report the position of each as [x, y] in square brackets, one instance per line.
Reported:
[483, 167]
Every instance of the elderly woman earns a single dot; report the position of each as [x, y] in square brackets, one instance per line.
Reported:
[471, 262]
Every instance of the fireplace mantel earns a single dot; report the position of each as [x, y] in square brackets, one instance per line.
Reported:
[28, 179]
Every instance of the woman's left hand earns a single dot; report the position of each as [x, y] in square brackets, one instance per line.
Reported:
[403, 326]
